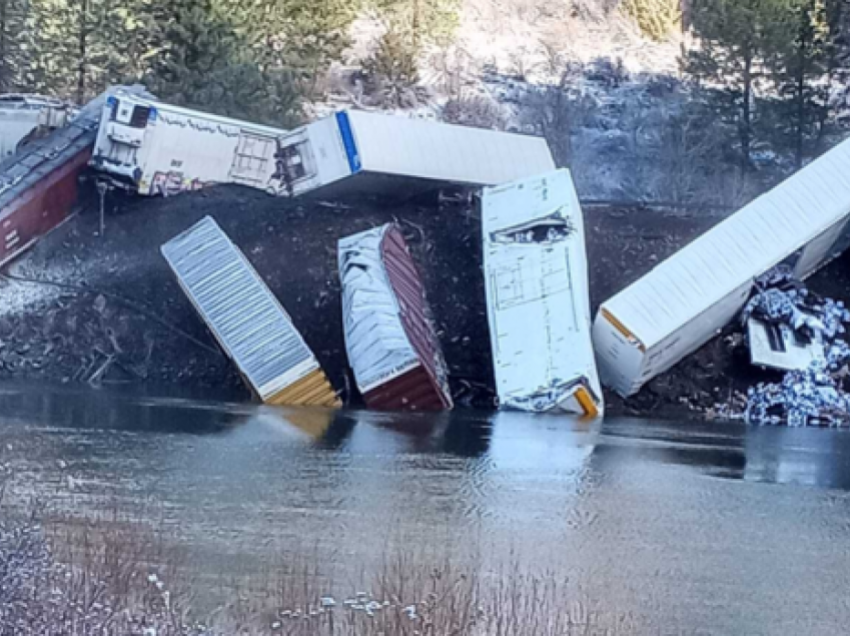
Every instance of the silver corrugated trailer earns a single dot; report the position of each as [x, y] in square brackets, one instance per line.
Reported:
[538, 302]
[686, 300]
[245, 317]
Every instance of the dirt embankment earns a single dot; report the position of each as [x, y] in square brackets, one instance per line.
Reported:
[117, 316]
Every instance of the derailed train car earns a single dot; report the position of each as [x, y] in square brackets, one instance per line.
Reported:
[685, 301]
[362, 152]
[246, 319]
[39, 186]
[153, 148]
[538, 303]
[390, 338]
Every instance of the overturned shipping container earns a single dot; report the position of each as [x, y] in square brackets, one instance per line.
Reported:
[389, 335]
[535, 268]
[246, 318]
[153, 148]
[39, 184]
[686, 300]
[356, 151]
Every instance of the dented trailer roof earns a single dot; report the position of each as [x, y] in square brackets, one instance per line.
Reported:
[686, 300]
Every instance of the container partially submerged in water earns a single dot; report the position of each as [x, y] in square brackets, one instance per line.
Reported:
[389, 334]
[245, 317]
[685, 301]
[535, 268]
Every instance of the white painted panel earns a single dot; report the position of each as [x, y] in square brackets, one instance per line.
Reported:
[537, 295]
[455, 154]
[180, 149]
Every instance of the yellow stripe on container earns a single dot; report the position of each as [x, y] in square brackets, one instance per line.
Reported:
[311, 390]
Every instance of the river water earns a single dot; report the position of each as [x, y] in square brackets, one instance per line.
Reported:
[693, 527]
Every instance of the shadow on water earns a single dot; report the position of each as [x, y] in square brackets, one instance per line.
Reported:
[816, 458]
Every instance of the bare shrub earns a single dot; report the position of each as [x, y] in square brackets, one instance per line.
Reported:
[555, 112]
[477, 111]
[656, 19]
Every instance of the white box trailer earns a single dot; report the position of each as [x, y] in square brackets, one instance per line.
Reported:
[355, 151]
[538, 301]
[246, 319]
[153, 148]
[686, 300]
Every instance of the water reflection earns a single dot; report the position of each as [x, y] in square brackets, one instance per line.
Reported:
[816, 458]
[667, 519]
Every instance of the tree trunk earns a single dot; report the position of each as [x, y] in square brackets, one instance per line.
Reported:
[803, 45]
[82, 52]
[5, 70]
[746, 127]
[416, 25]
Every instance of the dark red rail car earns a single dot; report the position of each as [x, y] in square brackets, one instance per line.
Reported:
[389, 334]
[39, 185]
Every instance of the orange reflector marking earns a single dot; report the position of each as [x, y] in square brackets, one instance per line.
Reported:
[622, 329]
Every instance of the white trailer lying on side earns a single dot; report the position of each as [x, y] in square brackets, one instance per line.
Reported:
[355, 151]
[538, 301]
[153, 148]
[686, 300]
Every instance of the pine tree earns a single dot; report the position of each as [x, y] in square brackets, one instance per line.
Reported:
[12, 50]
[737, 40]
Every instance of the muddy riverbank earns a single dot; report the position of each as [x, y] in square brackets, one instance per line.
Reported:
[106, 310]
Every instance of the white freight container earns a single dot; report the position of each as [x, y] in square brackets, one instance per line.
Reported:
[372, 152]
[158, 149]
[538, 303]
[686, 300]
[245, 317]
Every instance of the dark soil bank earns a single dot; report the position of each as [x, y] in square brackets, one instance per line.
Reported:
[120, 317]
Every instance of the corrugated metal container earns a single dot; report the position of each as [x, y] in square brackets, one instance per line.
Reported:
[538, 305]
[246, 318]
[389, 335]
[356, 151]
[38, 186]
[686, 300]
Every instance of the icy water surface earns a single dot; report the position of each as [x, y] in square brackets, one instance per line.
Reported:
[694, 528]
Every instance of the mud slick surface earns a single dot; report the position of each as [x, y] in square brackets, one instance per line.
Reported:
[108, 311]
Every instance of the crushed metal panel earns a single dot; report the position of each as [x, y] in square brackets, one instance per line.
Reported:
[536, 278]
[246, 318]
[778, 347]
[686, 300]
[390, 338]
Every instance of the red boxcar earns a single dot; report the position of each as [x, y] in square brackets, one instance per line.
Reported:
[39, 185]
[389, 334]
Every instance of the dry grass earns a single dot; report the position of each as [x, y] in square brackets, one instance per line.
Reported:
[108, 577]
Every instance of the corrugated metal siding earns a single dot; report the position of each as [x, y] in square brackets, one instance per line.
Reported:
[740, 248]
[246, 318]
[390, 339]
[415, 312]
